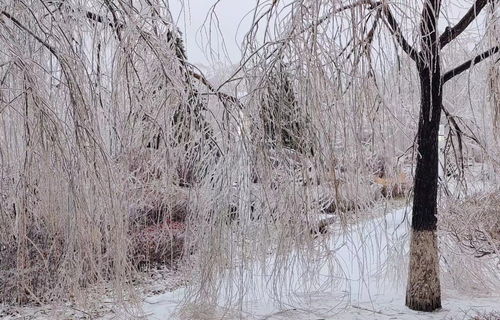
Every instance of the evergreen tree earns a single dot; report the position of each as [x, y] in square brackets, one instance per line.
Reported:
[284, 123]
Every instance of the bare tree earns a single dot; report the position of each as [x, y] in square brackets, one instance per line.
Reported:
[423, 291]
[362, 32]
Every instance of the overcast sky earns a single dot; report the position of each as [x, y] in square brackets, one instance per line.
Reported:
[223, 30]
[200, 28]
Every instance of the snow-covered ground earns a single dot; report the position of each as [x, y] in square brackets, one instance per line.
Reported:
[365, 282]
[361, 276]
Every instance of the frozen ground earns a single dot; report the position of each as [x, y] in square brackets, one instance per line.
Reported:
[362, 276]
[368, 285]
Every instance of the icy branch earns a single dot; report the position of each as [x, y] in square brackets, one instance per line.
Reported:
[474, 11]
[466, 65]
[396, 32]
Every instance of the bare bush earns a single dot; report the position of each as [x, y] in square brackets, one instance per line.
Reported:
[470, 230]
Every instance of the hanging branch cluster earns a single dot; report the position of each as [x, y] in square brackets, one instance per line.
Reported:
[114, 140]
[107, 128]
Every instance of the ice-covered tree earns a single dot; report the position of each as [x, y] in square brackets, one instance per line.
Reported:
[361, 38]
[85, 89]
[99, 106]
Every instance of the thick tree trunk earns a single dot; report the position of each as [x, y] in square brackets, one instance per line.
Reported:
[423, 291]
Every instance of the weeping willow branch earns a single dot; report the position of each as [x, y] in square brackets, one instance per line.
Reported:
[22, 27]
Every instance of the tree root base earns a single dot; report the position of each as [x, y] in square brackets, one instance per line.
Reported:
[423, 292]
[427, 306]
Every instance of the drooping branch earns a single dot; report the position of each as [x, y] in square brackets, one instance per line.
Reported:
[459, 158]
[466, 65]
[181, 55]
[115, 19]
[223, 97]
[24, 28]
[394, 27]
[98, 18]
[454, 123]
[370, 3]
[451, 33]
[396, 32]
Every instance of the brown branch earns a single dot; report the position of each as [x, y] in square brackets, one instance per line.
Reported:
[451, 33]
[451, 118]
[466, 65]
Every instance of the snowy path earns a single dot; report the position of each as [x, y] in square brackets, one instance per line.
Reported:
[369, 284]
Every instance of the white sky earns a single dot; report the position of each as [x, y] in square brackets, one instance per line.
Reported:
[223, 30]
[201, 32]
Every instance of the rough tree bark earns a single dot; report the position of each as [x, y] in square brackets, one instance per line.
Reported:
[423, 291]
